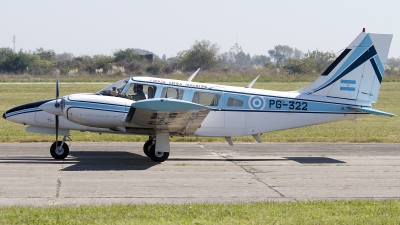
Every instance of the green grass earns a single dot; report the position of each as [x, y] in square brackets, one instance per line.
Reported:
[321, 212]
[370, 129]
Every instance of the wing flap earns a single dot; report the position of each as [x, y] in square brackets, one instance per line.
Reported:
[177, 116]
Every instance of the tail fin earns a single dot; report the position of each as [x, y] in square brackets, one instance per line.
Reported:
[357, 73]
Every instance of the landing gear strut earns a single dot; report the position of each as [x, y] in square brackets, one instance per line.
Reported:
[149, 148]
[59, 149]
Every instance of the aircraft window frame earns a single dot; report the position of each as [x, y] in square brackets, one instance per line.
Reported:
[172, 93]
[206, 98]
[234, 102]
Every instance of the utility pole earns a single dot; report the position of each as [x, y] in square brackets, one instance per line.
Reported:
[14, 41]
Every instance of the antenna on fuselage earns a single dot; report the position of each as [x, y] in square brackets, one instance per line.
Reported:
[193, 75]
[251, 83]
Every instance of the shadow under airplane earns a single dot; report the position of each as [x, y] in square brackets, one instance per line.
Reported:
[108, 160]
[120, 160]
[90, 161]
[300, 159]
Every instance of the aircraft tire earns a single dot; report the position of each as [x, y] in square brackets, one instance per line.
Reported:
[158, 156]
[60, 153]
[146, 147]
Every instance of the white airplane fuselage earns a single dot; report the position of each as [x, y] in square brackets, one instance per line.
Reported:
[261, 110]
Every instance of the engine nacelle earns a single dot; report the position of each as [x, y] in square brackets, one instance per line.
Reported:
[95, 110]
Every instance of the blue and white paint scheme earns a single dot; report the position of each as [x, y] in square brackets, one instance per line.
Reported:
[344, 91]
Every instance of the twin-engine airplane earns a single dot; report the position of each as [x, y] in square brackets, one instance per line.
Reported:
[344, 91]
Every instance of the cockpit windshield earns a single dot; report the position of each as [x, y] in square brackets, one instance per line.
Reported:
[119, 86]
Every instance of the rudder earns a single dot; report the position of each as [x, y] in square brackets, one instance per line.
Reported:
[357, 73]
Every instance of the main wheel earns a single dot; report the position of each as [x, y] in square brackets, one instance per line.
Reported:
[146, 147]
[58, 151]
[158, 156]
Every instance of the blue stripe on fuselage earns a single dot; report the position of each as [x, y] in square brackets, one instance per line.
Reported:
[269, 101]
[247, 94]
[97, 106]
[313, 105]
[287, 111]
[272, 105]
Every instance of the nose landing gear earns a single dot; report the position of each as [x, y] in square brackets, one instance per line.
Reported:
[59, 149]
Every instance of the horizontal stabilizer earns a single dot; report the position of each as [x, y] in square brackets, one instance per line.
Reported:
[371, 111]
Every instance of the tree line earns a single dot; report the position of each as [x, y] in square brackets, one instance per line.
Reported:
[202, 54]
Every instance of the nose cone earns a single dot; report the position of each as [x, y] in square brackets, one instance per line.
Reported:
[24, 113]
[52, 107]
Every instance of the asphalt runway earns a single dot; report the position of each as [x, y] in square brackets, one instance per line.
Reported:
[105, 173]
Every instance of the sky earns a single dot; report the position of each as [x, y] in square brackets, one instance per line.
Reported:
[169, 26]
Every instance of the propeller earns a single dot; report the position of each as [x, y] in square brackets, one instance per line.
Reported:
[57, 105]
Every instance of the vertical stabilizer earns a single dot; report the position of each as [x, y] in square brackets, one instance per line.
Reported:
[357, 72]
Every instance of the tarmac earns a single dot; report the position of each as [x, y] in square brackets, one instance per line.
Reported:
[106, 173]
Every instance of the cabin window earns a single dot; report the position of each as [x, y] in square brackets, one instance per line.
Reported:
[118, 86]
[205, 98]
[174, 93]
[147, 90]
[234, 102]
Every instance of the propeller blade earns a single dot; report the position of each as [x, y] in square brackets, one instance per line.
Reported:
[57, 105]
[57, 89]
[57, 130]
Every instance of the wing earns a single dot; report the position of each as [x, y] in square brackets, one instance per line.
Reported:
[177, 116]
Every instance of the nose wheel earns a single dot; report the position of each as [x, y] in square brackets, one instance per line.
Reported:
[59, 149]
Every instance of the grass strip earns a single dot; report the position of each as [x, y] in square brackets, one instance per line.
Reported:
[319, 212]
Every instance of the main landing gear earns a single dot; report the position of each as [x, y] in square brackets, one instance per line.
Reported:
[149, 149]
[59, 149]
